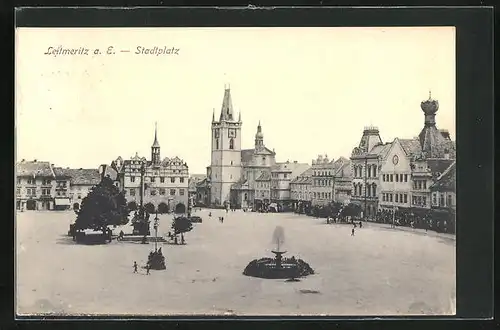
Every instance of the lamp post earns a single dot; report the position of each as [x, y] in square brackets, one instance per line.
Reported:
[395, 161]
[156, 231]
[143, 170]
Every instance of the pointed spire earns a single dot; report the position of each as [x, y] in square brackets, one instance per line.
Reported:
[213, 115]
[239, 116]
[226, 112]
[430, 95]
[155, 143]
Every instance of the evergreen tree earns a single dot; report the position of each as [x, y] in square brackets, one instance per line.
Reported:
[104, 206]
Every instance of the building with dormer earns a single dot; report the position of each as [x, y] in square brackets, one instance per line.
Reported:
[35, 185]
[166, 182]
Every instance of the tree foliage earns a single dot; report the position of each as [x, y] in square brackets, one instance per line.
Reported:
[104, 206]
[181, 225]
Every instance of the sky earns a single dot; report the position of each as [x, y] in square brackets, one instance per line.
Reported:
[313, 90]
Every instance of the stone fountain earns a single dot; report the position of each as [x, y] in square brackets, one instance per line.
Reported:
[278, 267]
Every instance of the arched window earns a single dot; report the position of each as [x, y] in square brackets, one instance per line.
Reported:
[231, 143]
[216, 143]
[374, 172]
[374, 190]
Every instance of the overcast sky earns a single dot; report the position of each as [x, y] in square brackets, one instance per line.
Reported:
[313, 89]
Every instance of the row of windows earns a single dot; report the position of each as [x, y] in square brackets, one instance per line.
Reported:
[322, 195]
[397, 198]
[395, 177]
[322, 173]
[449, 200]
[323, 182]
[299, 187]
[371, 190]
[420, 184]
[371, 171]
[419, 200]
[154, 192]
[263, 184]
[162, 179]
[276, 175]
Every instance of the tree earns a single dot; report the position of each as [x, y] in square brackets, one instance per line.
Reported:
[149, 207]
[163, 208]
[104, 206]
[181, 225]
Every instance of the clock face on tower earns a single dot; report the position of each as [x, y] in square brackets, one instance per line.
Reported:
[395, 159]
[232, 133]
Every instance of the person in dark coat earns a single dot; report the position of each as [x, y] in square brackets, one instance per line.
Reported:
[352, 232]
[135, 267]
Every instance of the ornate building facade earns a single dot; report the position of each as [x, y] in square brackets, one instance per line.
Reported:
[282, 175]
[36, 185]
[166, 182]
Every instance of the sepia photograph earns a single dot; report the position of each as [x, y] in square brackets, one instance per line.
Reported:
[235, 171]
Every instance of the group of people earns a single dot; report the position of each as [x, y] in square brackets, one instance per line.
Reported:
[407, 218]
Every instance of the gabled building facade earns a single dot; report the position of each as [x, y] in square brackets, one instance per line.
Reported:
[166, 181]
[35, 185]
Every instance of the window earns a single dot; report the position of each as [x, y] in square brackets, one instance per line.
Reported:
[132, 179]
[181, 192]
[397, 177]
[231, 162]
[216, 143]
[449, 201]
[406, 177]
[172, 179]
[132, 192]
[18, 180]
[406, 198]
[286, 175]
[441, 201]
[424, 200]
[246, 196]
[79, 197]
[172, 192]
[31, 181]
[182, 180]
[153, 192]
[231, 143]
[374, 190]
[391, 178]
[18, 191]
[397, 199]
[390, 197]
[424, 184]
[374, 170]
[162, 179]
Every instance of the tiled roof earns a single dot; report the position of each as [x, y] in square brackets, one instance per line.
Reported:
[239, 184]
[305, 177]
[344, 170]
[380, 150]
[439, 165]
[34, 168]
[82, 176]
[447, 180]
[434, 144]
[411, 147]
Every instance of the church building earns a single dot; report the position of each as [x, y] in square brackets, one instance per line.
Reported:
[233, 171]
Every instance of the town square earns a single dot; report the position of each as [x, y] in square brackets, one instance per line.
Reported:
[262, 193]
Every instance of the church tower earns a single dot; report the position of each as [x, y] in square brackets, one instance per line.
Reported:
[226, 151]
[155, 149]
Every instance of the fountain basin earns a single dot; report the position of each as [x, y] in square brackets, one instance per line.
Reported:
[271, 268]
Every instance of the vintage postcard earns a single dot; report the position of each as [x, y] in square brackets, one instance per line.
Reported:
[235, 171]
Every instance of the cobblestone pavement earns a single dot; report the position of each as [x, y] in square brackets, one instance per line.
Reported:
[379, 271]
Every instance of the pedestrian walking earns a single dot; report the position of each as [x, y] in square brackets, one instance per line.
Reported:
[352, 232]
[147, 268]
[222, 219]
[135, 267]
[360, 224]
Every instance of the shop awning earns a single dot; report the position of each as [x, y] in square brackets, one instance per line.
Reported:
[62, 202]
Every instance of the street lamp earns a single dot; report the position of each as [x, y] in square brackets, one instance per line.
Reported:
[156, 230]
[395, 161]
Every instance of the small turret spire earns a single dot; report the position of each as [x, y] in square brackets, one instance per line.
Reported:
[430, 95]
[155, 143]
[239, 116]
[213, 115]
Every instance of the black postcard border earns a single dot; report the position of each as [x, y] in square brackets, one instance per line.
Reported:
[474, 90]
